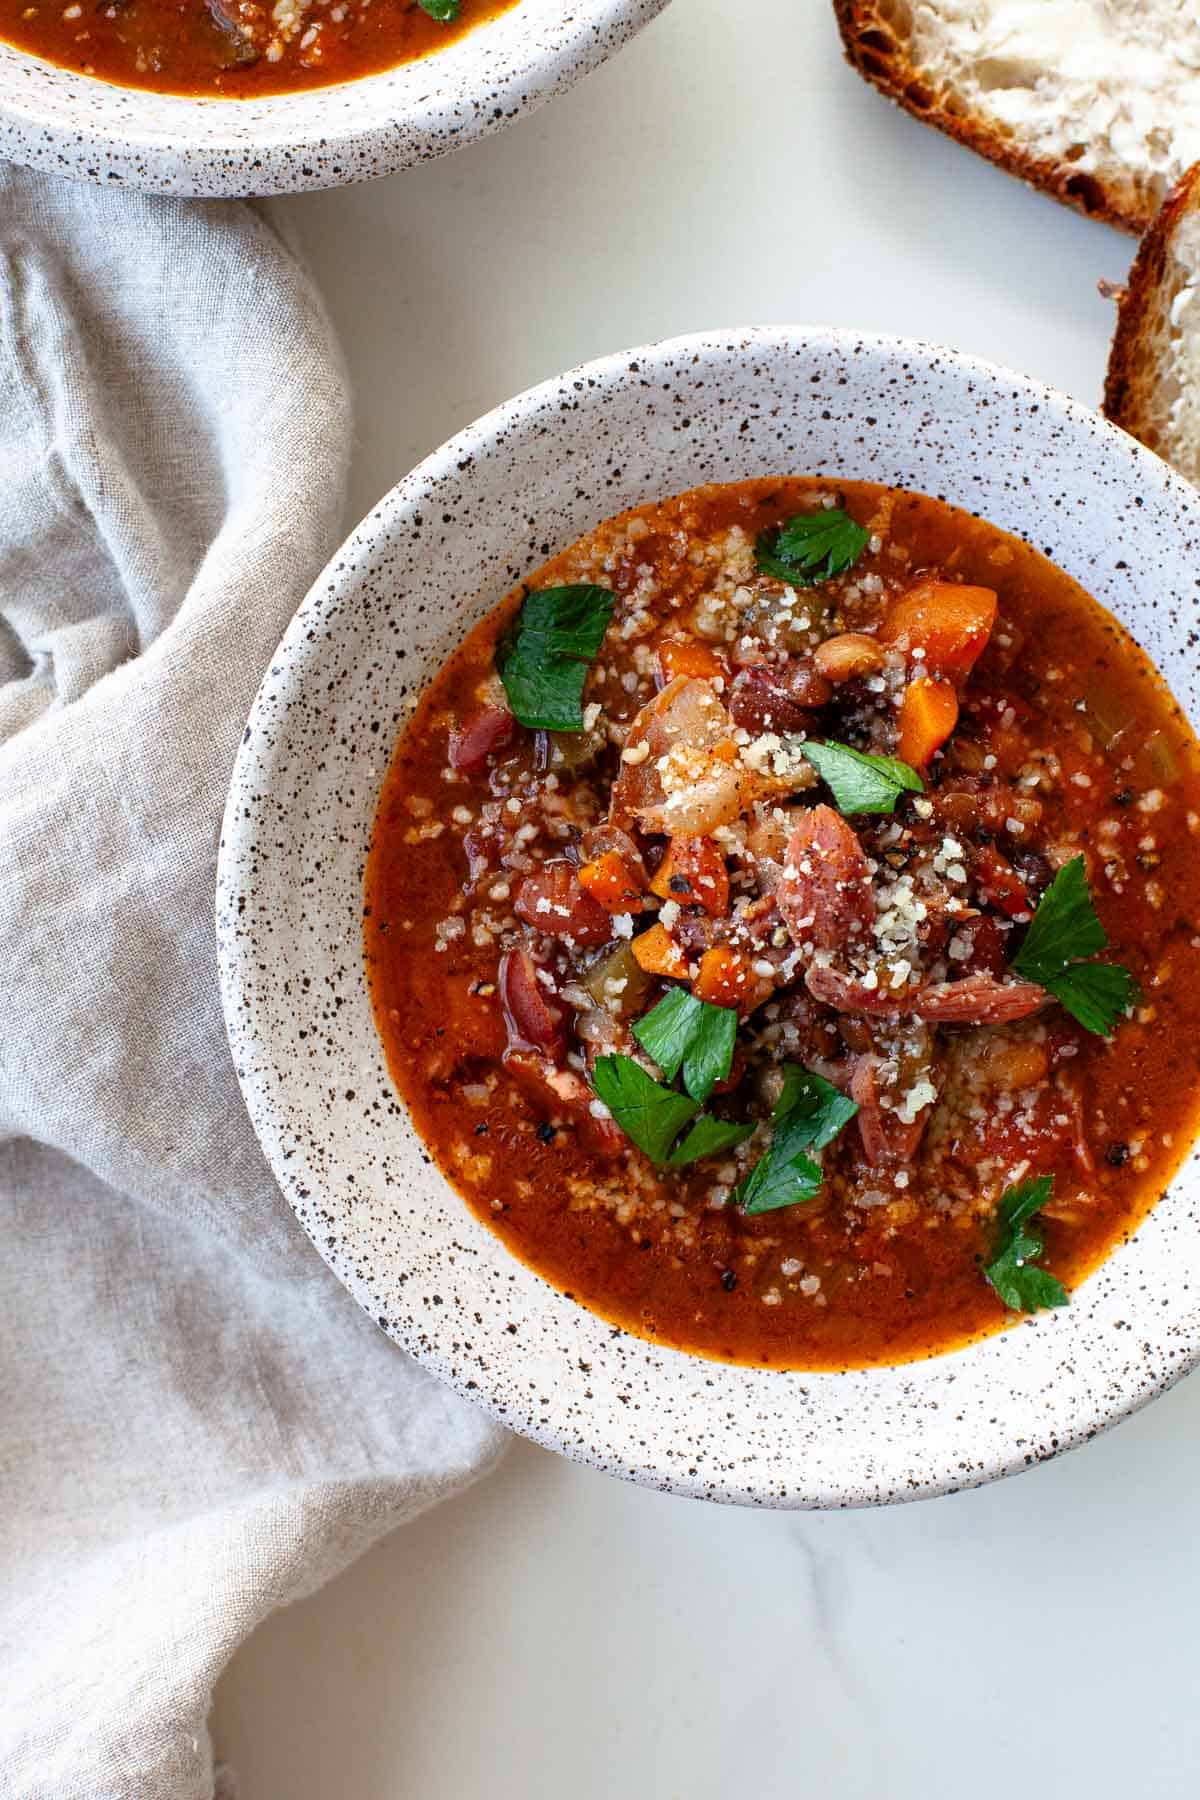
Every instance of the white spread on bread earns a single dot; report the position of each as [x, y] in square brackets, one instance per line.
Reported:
[1088, 80]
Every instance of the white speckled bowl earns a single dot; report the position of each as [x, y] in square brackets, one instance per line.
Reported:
[437, 552]
[74, 125]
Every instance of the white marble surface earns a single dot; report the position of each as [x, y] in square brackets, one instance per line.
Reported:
[554, 1633]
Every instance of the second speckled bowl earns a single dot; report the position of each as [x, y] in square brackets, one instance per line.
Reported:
[439, 551]
[64, 123]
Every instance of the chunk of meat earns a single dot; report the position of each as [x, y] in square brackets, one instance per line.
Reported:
[564, 1098]
[887, 1139]
[778, 696]
[680, 773]
[847, 993]
[979, 1000]
[551, 900]
[484, 733]
[532, 1018]
[825, 895]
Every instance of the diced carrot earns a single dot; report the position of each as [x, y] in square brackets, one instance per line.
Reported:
[949, 623]
[693, 872]
[726, 978]
[657, 953]
[609, 881]
[725, 751]
[687, 656]
[928, 714]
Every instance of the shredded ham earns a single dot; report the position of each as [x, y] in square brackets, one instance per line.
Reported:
[979, 1000]
[887, 1139]
[825, 895]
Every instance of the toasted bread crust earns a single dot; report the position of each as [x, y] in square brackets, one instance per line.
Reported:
[1131, 370]
[872, 47]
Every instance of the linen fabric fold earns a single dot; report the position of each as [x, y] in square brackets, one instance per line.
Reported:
[196, 1423]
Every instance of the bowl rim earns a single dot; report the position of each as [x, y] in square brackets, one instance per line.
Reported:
[1105, 1408]
[307, 139]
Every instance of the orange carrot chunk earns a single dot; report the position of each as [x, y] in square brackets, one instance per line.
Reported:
[657, 953]
[928, 714]
[693, 872]
[687, 656]
[724, 978]
[609, 881]
[948, 623]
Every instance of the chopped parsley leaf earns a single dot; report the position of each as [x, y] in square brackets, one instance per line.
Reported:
[808, 1114]
[1012, 1271]
[707, 1137]
[543, 660]
[444, 11]
[1064, 931]
[811, 547]
[649, 1114]
[777, 1181]
[682, 1031]
[652, 1116]
[861, 783]
[1095, 993]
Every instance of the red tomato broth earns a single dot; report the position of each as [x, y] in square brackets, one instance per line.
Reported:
[901, 1278]
[234, 49]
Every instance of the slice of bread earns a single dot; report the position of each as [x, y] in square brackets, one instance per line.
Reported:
[1097, 101]
[1153, 384]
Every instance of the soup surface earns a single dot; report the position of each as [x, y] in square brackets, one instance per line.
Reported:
[237, 49]
[810, 980]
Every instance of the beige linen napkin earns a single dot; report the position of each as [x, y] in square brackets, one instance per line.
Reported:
[196, 1424]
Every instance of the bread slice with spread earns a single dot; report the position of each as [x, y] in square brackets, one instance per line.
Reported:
[1096, 101]
[1153, 382]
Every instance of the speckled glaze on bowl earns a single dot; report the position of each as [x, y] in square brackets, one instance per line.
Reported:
[74, 125]
[438, 551]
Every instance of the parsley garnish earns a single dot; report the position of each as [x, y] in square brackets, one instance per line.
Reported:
[777, 1180]
[652, 1116]
[444, 11]
[812, 547]
[860, 783]
[1012, 1272]
[684, 1031]
[708, 1137]
[808, 1114]
[1064, 931]
[543, 660]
